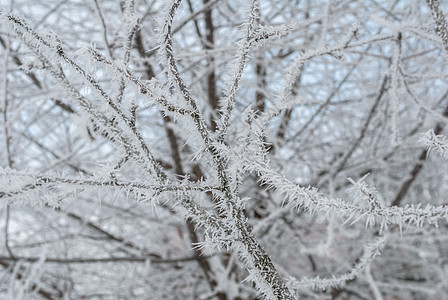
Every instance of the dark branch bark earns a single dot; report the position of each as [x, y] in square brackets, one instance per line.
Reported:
[179, 170]
[211, 78]
[405, 187]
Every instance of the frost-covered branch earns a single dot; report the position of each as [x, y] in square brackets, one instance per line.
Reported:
[153, 90]
[37, 180]
[437, 142]
[240, 63]
[260, 266]
[119, 162]
[295, 68]
[371, 251]
[440, 20]
[102, 260]
[42, 47]
[312, 200]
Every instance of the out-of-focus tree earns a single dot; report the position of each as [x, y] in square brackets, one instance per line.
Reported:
[223, 149]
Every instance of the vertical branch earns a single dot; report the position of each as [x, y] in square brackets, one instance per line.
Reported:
[7, 137]
[288, 112]
[5, 105]
[229, 102]
[440, 20]
[394, 68]
[211, 78]
[373, 286]
[196, 115]
[7, 218]
[195, 21]
[127, 43]
[260, 96]
[260, 71]
[208, 44]
[260, 265]
[103, 28]
[179, 170]
[172, 66]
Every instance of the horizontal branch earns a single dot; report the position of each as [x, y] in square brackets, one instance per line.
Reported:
[41, 180]
[104, 260]
[310, 199]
